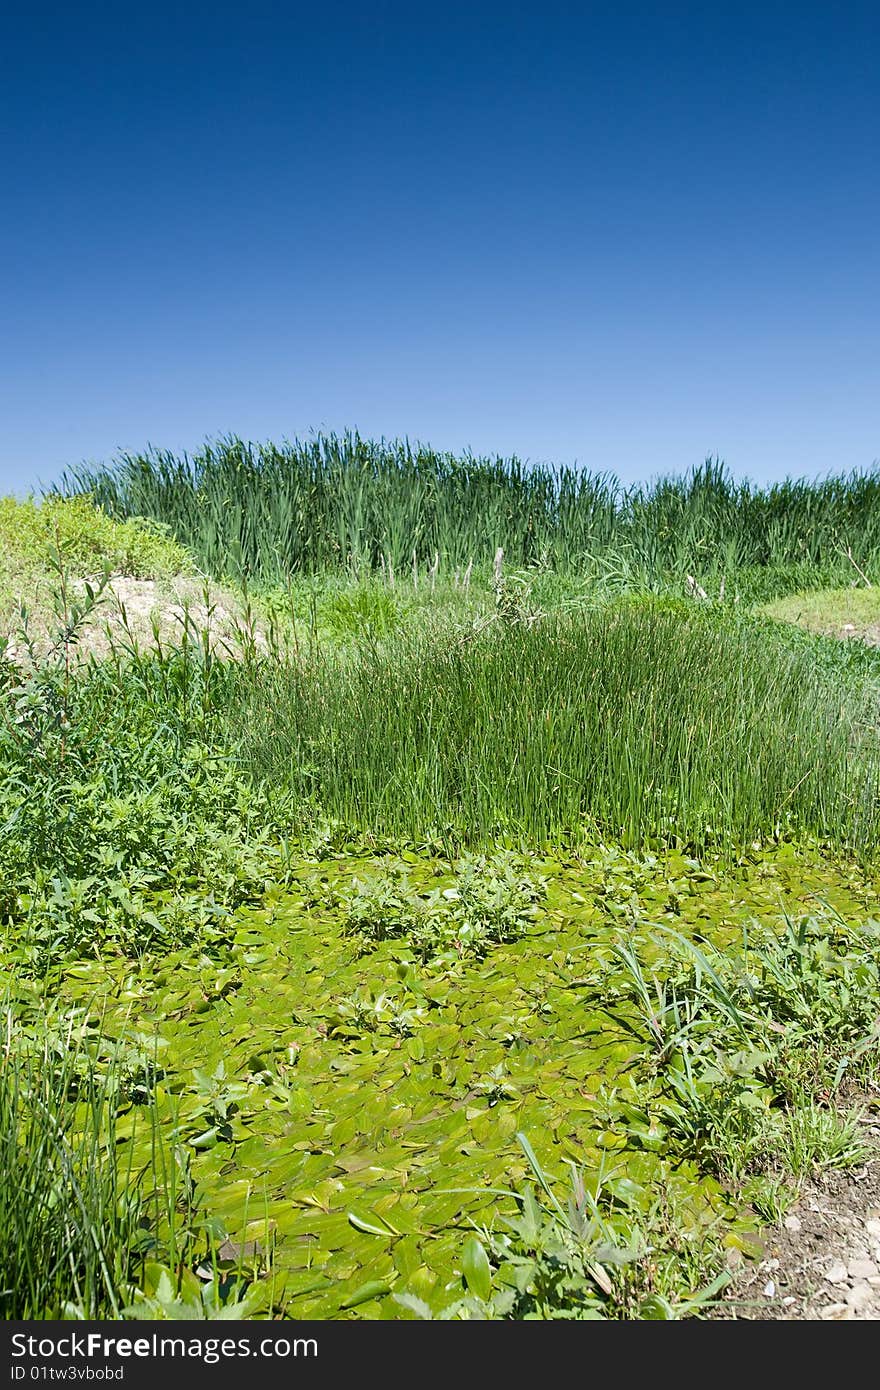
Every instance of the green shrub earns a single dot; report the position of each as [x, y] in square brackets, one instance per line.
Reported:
[33, 533]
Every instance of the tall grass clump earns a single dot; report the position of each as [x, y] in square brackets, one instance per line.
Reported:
[72, 1213]
[644, 720]
[346, 503]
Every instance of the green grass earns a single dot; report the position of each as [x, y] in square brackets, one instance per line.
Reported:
[71, 1236]
[333, 610]
[642, 721]
[342, 503]
[99, 1218]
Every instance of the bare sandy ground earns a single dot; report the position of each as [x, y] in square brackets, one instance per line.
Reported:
[823, 1262]
[149, 612]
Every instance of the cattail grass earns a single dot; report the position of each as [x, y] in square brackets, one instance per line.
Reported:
[345, 503]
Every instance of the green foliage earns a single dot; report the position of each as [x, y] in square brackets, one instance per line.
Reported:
[360, 1047]
[384, 906]
[492, 900]
[32, 534]
[292, 1071]
[644, 721]
[366, 609]
[586, 1257]
[126, 823]
[553, 1262]
[346, 503]
[753, 1045]
[169, 1296]
[88, 1229]
[829, 610]
[71, 1232]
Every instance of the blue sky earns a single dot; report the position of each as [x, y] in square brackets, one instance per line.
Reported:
[625, 235]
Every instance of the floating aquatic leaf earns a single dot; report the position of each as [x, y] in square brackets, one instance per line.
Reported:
[375, 1227]
[375, 1288]
[476, 1269]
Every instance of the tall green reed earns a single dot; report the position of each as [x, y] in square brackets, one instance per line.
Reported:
[73, 1212]
[340, 502]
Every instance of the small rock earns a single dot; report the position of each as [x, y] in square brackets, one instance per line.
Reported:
[769, 1289]
[792, 1223]
[874, 1281]
[859, 1296]
[836, 1310]
[873, 1228]
[862, 1269]
[787, 1302]
[837, 1273]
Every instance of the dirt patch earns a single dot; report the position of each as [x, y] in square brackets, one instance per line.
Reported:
[823, 1263]
[150, 612]
[869, 633]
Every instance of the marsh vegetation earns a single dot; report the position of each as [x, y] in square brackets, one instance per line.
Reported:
[461, 935]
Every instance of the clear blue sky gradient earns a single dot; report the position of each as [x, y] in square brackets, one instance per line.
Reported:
[628, 236]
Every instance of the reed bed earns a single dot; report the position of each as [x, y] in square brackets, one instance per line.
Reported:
[71, 1212]
[341, 502]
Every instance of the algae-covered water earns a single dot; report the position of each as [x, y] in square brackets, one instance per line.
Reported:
[354, 1106]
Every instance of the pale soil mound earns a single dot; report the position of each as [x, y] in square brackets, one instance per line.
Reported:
[144, 612]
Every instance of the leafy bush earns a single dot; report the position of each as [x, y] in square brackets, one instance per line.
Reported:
[32, 534]
[126, 820]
